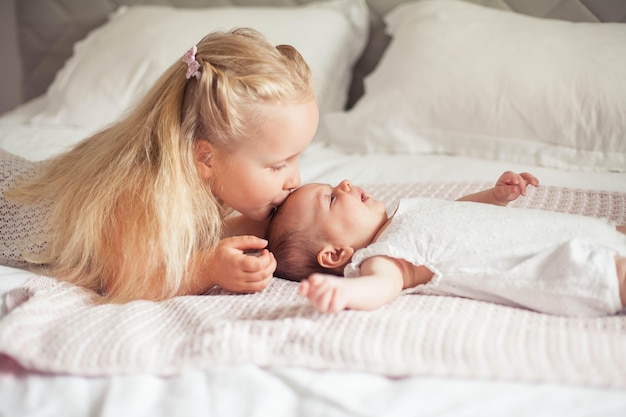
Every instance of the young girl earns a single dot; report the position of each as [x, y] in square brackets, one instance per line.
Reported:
[546, 261]
[137, 211]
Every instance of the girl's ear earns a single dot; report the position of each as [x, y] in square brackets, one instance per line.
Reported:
[202, 154]
[331, 257]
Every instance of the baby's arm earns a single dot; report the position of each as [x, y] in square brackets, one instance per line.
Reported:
[329, 293]
[381, 281]
[508, 188]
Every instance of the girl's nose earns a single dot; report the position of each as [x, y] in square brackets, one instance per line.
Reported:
[293, 181]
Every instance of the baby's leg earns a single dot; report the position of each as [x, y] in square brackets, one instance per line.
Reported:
[620, 264]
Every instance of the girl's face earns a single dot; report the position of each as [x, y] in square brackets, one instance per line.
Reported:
[258, 176]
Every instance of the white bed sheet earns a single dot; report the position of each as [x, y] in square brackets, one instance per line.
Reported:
[248, 390]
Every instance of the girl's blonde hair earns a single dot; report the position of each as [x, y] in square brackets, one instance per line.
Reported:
[129, 210]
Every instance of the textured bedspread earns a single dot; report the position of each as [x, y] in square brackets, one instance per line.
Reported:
[55, 327]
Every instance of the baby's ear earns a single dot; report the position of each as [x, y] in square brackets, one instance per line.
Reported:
[202, 154]
[331, 257]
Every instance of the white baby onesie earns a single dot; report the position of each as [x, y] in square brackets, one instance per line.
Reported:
[545, 261]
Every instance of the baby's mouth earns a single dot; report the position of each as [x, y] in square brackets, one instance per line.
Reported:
[364, 196]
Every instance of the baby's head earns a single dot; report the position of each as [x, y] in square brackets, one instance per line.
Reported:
[319, 227]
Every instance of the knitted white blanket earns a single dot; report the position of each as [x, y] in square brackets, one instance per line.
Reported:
[55, 327]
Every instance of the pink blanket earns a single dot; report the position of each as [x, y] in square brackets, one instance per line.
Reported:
[55, 327]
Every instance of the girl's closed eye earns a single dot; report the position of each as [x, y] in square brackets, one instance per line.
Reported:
[278, 167]
[332, 199]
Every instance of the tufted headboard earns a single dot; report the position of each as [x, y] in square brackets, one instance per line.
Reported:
[47, 29]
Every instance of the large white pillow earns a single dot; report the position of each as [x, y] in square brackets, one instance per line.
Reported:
[465, 79]
[116, 63]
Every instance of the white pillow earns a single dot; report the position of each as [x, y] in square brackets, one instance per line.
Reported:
[465, 79]
[116, 63]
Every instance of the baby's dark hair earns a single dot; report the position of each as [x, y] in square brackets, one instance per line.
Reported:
[294, 246]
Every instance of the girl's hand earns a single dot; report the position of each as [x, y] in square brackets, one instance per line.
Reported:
[233, 269]
[511, 185]
[327, 293]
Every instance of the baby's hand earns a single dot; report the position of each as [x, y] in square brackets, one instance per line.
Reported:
[326, 292]
[511, 185]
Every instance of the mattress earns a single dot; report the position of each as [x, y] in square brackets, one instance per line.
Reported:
[275, 387]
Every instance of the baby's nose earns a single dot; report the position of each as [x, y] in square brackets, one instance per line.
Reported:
[345, 185]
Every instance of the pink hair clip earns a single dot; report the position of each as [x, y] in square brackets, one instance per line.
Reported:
[193, 66]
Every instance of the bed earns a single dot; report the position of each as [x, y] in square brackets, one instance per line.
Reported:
[430, 97]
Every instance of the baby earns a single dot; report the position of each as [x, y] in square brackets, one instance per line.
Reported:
[545, 261]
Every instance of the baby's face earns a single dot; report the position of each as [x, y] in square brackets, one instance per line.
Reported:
[346, 215]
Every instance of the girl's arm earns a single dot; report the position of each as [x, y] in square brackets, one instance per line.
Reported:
[383, 279]
[228, 266]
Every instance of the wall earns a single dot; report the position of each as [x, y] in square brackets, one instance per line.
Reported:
[10, 78]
